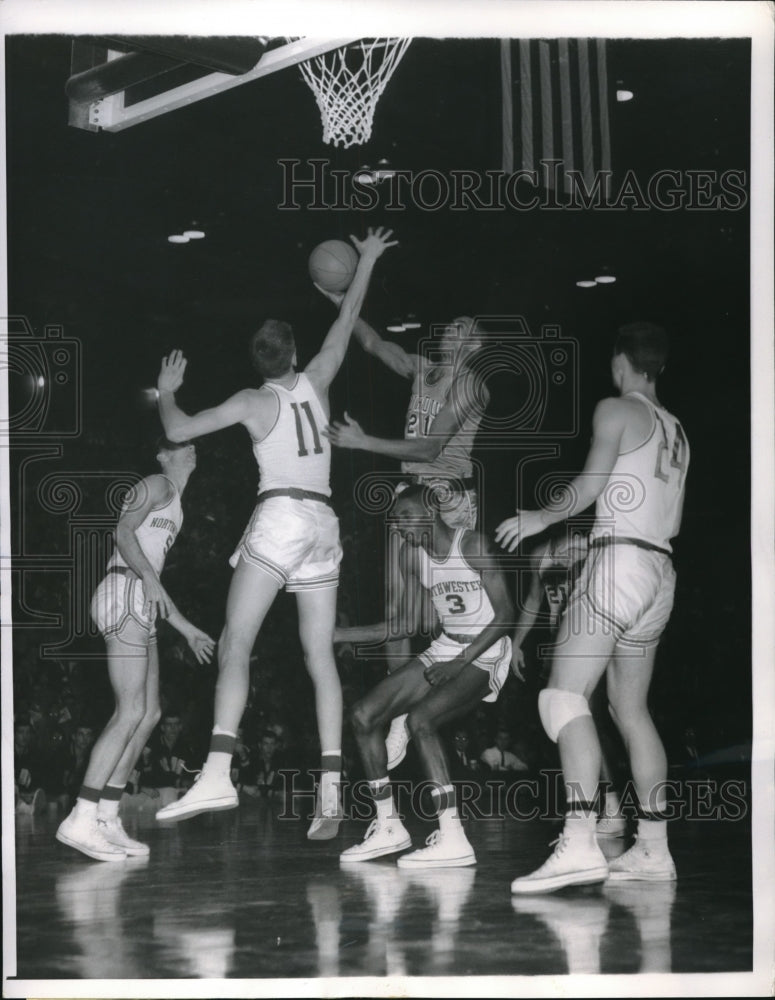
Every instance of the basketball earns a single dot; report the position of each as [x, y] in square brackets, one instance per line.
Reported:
[332, 265]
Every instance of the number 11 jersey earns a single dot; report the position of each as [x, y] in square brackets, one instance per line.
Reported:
[295, 453]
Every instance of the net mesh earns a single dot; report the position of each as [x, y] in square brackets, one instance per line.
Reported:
[348, 82]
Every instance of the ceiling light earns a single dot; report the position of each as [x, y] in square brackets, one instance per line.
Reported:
[586, 284]
[605, 279]
[624, 95]
[194, 234]
[177, 239]
[395, 326]
[411, 322]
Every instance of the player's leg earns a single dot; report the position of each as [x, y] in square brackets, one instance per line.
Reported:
[108, 818]
[397, 651]
[629, 677]
[581, 656]
[127, 669]
[251, 594]
[448, 846]
[611, 822]
[392, 697]
[317, 617]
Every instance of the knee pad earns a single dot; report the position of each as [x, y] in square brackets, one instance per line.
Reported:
[557, 708]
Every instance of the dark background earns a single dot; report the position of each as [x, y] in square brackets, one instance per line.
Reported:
[88, 220]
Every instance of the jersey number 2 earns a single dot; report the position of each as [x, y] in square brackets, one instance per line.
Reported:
[303, 450]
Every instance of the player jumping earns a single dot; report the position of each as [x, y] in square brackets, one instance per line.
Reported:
[291, 541]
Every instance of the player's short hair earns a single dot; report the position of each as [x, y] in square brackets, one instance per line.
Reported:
[645, 345]
[272, 347]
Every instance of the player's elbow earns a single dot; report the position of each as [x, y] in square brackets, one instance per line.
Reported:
[177, 433]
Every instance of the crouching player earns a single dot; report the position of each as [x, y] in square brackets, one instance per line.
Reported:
[467, 662]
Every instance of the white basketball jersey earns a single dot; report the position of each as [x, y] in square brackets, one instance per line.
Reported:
[457, 591]
[644, 495]
[157, 532]
[295, 453]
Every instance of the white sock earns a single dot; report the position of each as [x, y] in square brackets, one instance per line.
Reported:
[218, 763]
[107, 808]
[85, 809]
[652, 830]
[449, 821]
[385, 809]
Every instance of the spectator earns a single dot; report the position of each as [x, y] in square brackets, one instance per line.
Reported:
[463, 764]
[79, 750]
[499, 757]
[29, 795]
[170, 755]
[269, 782]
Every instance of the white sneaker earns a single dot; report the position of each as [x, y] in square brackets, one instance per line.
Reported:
[574, 861]
[396, 742]
[328, 814]
[113, 831]
[382, 837]
[443, 850]
[211, 792]
[646, 861]
[84, 834]
[611, 826]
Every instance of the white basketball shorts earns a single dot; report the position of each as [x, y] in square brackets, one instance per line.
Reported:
[295, 541]
[495, 661]
[628, 589]
[117, 606]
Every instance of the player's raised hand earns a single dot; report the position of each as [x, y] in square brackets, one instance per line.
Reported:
[514, 530]
[202, 646]
[171, 374]
[376, 242]
[346, 435]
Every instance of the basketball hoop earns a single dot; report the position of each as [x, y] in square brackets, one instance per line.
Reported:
[348, 82]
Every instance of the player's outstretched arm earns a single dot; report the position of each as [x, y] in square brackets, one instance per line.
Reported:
[404, 615]
[327, 362]
[528, 612]
[608, 426]
[153, 491]
[180, 426]
[393, 355]
[468, 397]
[202, 646]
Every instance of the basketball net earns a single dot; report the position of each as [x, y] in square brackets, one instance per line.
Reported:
[348, 82]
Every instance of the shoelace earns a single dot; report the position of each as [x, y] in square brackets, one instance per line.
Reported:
[561, 842]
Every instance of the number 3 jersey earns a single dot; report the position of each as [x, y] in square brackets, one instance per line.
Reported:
[643, 498]
[457, 591]
[295, 453]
